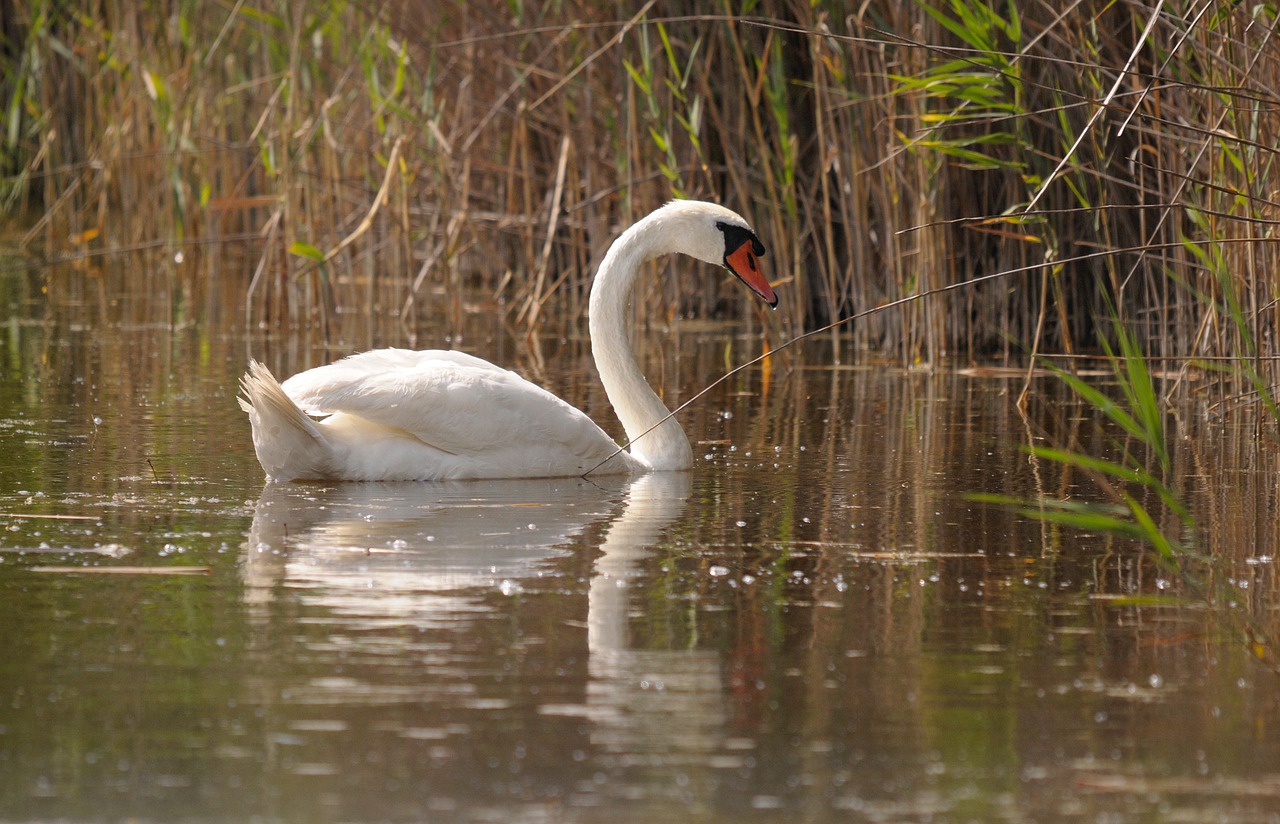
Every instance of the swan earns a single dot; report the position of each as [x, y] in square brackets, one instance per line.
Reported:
[402, 415]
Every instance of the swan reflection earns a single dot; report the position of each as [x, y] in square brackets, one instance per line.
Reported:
[646, 702]
[370, 559]
[377, 553]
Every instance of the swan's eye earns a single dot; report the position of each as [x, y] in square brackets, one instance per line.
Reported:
[736, 237]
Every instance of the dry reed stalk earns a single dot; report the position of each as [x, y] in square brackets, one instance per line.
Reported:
[1146, 129]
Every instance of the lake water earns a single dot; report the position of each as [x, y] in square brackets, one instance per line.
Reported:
[816, 624]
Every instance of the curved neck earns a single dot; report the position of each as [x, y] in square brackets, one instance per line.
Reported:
[634, 402]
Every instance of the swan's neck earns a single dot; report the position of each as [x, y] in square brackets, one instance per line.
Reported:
[637, 406]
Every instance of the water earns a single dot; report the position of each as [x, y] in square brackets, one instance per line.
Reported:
[816, 624]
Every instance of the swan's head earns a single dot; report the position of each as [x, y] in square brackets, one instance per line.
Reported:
[714, 234]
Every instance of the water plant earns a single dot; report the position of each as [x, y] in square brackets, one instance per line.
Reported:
[1135, 475]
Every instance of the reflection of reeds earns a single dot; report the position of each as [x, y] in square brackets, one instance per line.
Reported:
[380, 159]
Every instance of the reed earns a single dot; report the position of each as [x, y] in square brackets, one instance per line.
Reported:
[394, 159]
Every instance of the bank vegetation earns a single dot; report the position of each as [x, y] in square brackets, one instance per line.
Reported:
[400, 158]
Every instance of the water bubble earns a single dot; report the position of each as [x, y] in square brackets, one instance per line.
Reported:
[718, 571]
[740, 523]
[1155, 681]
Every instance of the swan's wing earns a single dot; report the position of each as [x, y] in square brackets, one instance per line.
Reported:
[323, 390]
[452, 401]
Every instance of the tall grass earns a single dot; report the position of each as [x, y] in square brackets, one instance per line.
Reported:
[400, 158]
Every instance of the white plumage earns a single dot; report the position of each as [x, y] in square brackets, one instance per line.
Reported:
[396, 414]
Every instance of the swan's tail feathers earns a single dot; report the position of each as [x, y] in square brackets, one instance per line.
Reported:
[290, 445]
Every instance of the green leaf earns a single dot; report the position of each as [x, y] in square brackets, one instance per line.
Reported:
[306, 250]
[972, 38]
[1104, 519]
[1096, 522]
[1100, 465]
[1151, 532]
[1101, 402]
[646, 87]
[1142, 600]
[659, 140]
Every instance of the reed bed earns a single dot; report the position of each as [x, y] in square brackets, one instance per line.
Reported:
[402, 159]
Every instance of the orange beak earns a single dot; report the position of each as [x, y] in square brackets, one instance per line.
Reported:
[744, 263]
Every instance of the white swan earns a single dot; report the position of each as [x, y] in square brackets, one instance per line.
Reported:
[395, 414]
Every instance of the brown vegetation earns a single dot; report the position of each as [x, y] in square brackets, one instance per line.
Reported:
[396, 158]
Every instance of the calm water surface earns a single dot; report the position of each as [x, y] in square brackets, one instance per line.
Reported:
[814, 625]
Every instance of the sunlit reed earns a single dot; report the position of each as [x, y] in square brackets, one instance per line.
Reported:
[397, 159]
